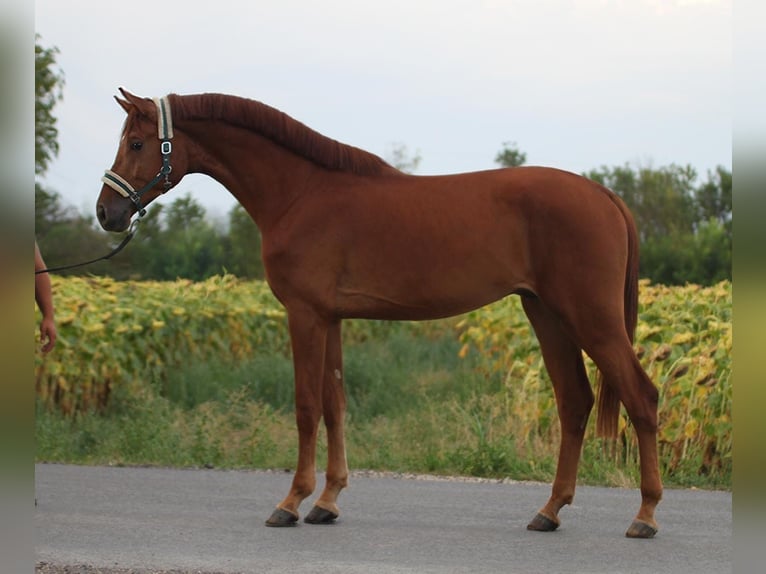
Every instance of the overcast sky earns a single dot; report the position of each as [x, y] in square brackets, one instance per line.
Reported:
[577, 84]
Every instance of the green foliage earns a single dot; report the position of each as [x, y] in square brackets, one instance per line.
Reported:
[661, 200]
[243, 245]
[399, 156]
[510, 156]
[685, 229]
[266, 378]
[66, 237]
[49, 83]
[149, 429]
[123, 334]
[191, 247]
[703, 257]
[714, 198]
[173, 241]
[193, 374]
[684, 339]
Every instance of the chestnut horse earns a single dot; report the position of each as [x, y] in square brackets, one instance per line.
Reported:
[345, 235]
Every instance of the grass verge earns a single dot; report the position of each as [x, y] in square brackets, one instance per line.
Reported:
[413, 406]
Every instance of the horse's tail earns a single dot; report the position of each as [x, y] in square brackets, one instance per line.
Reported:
[608, 401]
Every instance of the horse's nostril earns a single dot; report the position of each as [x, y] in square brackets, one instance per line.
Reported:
[101, 213]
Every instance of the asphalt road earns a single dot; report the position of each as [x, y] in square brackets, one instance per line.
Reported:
[116, 520]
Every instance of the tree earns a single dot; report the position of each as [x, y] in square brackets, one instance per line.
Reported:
[661, 200]
[144, 257]
[243, 253]
[48, 210]
[64, 235]
[684, 229]
[398, 156]
[714, 198]
[49, 84]
[190, 247]
[510, 156]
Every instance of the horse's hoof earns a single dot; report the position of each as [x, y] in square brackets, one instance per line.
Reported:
[320, 516]
[542, 523]
[282, 517]
[640, 529]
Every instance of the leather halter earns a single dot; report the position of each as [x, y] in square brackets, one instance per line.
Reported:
[165, 134]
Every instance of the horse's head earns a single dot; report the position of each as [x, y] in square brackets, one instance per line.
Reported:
[142, 169]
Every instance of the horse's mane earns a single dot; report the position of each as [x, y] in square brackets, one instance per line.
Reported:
[280, 128]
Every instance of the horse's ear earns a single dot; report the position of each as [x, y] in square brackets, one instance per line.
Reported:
[125, 105]
[143, 105]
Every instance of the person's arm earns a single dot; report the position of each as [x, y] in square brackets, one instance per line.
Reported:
[44, 299]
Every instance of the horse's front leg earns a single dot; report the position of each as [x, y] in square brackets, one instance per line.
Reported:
[308, 336]
[325, 509]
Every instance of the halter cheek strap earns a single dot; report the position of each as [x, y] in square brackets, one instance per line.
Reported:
[165, 134]
[121, 185]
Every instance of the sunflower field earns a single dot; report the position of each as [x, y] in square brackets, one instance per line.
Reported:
[124, 337]
[684, 341]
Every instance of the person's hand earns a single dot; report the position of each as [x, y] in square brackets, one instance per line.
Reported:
[48, 334]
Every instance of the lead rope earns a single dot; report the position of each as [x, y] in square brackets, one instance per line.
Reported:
[121, 186]
[112, 253]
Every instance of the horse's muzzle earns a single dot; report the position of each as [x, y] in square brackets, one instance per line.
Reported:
[113, 219]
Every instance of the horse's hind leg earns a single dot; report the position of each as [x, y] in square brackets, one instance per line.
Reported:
[621, 369]
[574, 399]
[333, 408]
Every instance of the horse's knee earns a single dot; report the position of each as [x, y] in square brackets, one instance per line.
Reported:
[307, 418]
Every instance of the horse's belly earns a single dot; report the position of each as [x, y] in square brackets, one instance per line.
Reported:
[421, 298]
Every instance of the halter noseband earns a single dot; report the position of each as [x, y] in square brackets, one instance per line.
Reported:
[165, 133]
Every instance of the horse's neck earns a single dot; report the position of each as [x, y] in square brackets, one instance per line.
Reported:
[264, 177]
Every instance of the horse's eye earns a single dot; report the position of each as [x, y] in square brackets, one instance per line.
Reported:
[136, 146]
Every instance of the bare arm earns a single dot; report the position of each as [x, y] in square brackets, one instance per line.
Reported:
[44, 299]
